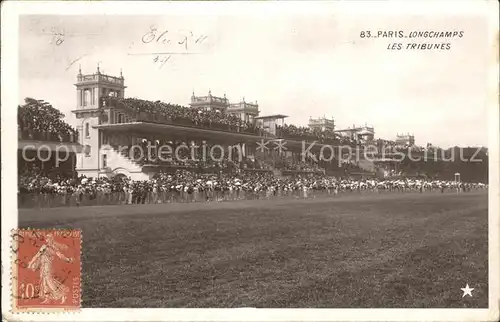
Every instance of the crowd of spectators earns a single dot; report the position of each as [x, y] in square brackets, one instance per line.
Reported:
[388, 146]
[161, 112]
[33, 179]
[307, 134]
[301, 166]
[148, 153]
[188, 186]
[38, 120]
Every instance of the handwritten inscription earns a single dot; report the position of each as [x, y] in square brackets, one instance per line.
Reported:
[71, 63]
[161, 60]
[185, 38]
[57, 35]
[163, 44]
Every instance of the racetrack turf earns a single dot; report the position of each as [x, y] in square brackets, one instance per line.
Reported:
[389, 250]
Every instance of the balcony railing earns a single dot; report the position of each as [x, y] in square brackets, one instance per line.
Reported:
[209, 99]
[46, 136]
[244, 105]
[320, 121]
[100, 77]
[310, 137]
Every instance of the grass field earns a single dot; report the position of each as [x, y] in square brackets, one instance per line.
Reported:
[394, 250]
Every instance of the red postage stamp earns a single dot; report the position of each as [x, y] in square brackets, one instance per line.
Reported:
[46, 270]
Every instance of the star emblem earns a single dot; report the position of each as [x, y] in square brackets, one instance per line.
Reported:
[262, 145]
[467, 291]
[280, 146]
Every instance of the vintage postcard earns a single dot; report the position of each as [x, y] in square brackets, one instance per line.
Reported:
[250, 161]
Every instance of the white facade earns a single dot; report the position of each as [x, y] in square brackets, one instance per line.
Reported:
[322, 124]
[98, 160]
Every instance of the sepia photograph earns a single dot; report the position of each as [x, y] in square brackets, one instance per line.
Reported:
[258, 155]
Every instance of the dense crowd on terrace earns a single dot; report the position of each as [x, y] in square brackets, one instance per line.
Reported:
[172, 113]
[38, 120]
[301, 166]
[305, 133]
[158, 111]
[392, 146]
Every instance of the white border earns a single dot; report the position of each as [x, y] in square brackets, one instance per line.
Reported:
[10, 13]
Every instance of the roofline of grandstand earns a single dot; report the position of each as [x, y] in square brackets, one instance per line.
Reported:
[100, 82]
[275, 116]
[52, 146]
[89, 110]
[159, 128]
[355, 129]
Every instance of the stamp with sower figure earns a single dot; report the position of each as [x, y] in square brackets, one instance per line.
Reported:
[46, 270]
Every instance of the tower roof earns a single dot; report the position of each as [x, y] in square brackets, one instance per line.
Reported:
[99, 78]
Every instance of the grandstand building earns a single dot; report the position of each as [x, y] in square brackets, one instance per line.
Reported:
[110, 128]
[322, 124]
[90, 90]
[106, 124]
[362, 134]
[60, 155]
[243, 110]
[53, 151]
[405, 139]
[210, 103]
[270, 123]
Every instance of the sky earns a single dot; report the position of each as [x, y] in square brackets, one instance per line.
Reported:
[300, 65]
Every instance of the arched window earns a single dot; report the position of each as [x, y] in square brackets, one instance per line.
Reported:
[87, 130]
